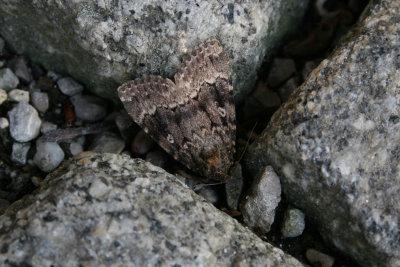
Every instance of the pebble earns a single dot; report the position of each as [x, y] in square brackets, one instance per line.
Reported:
[69, 86]
[53, 75]
[4, 123]
[258, 206]
[24, 122]
[266, 96]
[8, 80]
[287, 89]
[40, 101]
[20, 152]
[75, 148]
[48, 156]
[142, 143]
[281, 70]
[89, 108]
[319, 259]
[20, 68]
[234, 187]
[18, 95]
[158, 158]
[293, 223]
[3, 96]
[209, 193]
[107, 143]
[47, 127]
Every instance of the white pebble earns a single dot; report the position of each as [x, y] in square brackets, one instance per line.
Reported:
[18, 95]
[48, 156]
[24, 122]
[4, 123]
[47, 127]
[293, 223]
[8, 80]
[3, 96]
[19, 152]
[40, 101]
[69, 86]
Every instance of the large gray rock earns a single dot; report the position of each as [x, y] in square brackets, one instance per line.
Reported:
[111, 210]
[336, 142]
[103, 43]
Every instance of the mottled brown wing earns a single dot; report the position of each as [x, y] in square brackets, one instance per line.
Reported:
[193, 119]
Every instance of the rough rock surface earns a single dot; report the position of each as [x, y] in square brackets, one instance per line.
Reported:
[103, 43]
[335, 143]
[107, 210]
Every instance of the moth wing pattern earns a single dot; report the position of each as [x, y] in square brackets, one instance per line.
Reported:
[193, 118]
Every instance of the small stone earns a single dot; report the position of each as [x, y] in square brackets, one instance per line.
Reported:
[8, 80]
[53, 75]
[24, 122]
[107, 143]
[3, 96]
[258, 207]
[20, 68]
[47, 127]
[209, 193]
[158, 158]
[287, 89]
[75, 148]
[266, 96]
[89, 108]
[48, 156]
[142, 143]
[234, 186]
[18, 95]
[293, 223]
[4, 123]
[19, 152]
[40, 101]
[281, 70]
[319, 259]
[69, 86]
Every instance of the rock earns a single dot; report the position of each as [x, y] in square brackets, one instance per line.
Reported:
[69, 86]
[336, 146]
[8, 80]
[266, 96]
[293, 223]
[107, 143]
[209, 193]
[3, 203]
[142, 143]
[89, 108]
[4, 123]
[258, 206]
[20, 152]
[18, 95]
[75, 148]
[40, 101]
[281, 70]
[48, 156]
[106, 43]
[3, 96]
[24, 122]
[158, 158]
[234, 186]
[20, 68]
[128, 212]
[47, 127]
[53, 75]
[319, 259]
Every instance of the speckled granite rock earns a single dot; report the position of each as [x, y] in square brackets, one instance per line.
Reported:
[336, 142]
[111, 210]
[120, 40]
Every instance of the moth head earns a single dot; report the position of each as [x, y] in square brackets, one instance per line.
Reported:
[215, 163]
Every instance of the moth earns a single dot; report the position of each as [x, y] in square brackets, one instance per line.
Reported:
[192, 118]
